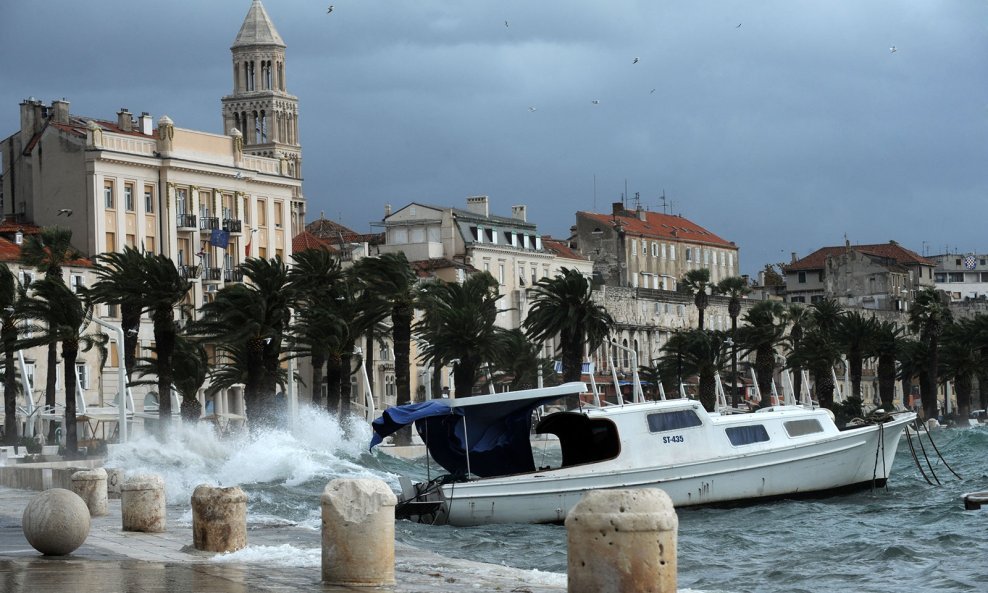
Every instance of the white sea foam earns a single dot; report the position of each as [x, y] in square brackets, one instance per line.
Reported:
[283, 555]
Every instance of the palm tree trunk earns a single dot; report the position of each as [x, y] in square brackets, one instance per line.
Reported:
[824, 382]
[130, 322]
[928, 380]
[886, 381]
[735, 393]
[572, 355]
[50, 382]
[708, 390]
[9, 389]
[764, 371]
[854, 361]
[401, 320]
[253, 384]
[164, 339]
[70, 353]
[346, 389]
[983, 390]
[318, 376]
[333, 372]
[963, 386]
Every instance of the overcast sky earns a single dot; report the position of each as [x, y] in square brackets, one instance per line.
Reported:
[780, 125]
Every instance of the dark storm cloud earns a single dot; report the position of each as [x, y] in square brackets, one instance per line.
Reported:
[782, 134]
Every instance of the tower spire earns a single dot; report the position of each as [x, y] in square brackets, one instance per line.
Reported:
[260, 106]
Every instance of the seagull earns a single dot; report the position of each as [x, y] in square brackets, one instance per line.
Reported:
[651, 92]
[635, 61]
[532, 108]
[505, 23]
[739, 26]
[65, 211]
[330, 9]
[595, 102]
[892, 49]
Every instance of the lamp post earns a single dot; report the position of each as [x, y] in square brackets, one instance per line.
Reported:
[121, 378]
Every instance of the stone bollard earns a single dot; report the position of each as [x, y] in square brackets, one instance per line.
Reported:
[219, 519]
[358, 533]
[622, 541]
[90, 485]
[114, 478]
[56, 522]
[142, 504]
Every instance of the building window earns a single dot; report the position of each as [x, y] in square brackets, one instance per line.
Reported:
[634, 245]
[129, 197]
[955, 277]
[111, 242]
[181, 205]
[500, 274]
[655, 249]
[801, 277]
[747, 435]
[797, 299]
[278, 214]
[27, 278]
[817, 298]
[689, 254]
[262, 213]
[149, 199]
[82, 373]
[672, 252]
[77, 282]
[108, 194]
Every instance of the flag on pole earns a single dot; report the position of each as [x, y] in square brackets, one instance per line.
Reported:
[219, 238]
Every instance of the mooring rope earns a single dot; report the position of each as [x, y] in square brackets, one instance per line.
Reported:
[947, 465]
[933, 473]
[879, 449]
[919, 466]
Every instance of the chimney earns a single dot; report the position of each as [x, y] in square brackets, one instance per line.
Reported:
[147, 127]
[478, 205]
[642, 215]
[617, 208]
[792, 257]
[125, 121]
[520, 213]
[387, 210]
[32, 117]
[60, 111]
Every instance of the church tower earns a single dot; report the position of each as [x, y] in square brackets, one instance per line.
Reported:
[260, 108]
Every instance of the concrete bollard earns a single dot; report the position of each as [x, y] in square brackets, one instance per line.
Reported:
[56, 522]
[358, 533]
[219, 519]
[90, 485]
[114, 478]
[622, 541]
[142, 504]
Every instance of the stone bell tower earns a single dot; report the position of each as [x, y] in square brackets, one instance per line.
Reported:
[260, 107]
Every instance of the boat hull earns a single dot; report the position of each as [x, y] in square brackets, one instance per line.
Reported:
[847, 460]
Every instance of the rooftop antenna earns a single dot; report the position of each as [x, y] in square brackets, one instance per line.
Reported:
[638, 201]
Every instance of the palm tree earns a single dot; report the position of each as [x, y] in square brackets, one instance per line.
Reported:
[392, 296]
[696, 283]
[48, 251]
[521, 362]
[911, 356]
[313, 277]
[855, 334]
[9, 302]
[120, 281]
[885, 346]
[820, 350]
[189, 370]
[248, 323]
[734, 288]
[563, 306]
[64, 315]
[459, 326]
[960, 360]
[927, 318]
[796, 317]
[764, 329]
[699, 352]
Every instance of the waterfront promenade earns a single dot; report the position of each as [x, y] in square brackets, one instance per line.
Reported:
[112, 561]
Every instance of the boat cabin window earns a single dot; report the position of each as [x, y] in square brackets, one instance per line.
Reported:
[798, 428]
[581, 439]
[676, 420]
[747, 435]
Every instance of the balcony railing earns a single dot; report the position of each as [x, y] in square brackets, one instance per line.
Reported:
[186, 221]
[215, 274]
[189, 272]
[232, 225]
[208, 223]
[233, 275]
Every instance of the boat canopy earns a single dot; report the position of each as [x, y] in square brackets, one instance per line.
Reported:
[495, 427]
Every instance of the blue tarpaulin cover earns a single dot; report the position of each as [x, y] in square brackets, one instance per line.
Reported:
[497, 431]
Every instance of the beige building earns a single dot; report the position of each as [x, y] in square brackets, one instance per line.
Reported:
[206, 200]
[638, 248]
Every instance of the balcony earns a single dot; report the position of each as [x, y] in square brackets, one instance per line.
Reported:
[212, 274]
[232, 225]
[233, 275]
[186, 221]
[189, 272]
[209, 223]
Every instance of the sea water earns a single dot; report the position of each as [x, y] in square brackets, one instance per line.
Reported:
[911, 536]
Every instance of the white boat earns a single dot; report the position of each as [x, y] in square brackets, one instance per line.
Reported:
[696, 457]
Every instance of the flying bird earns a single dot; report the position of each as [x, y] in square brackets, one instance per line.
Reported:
[65, 211]
[892, 49]
[505, 23]
[651, 92]
[739, 26]
[595, 102]
[532, 108]
[635, 61]
[330, 9]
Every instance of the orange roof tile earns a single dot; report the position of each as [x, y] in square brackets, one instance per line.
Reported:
[306, 240]
[562, 248]
[660, 226]
[891, 251]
